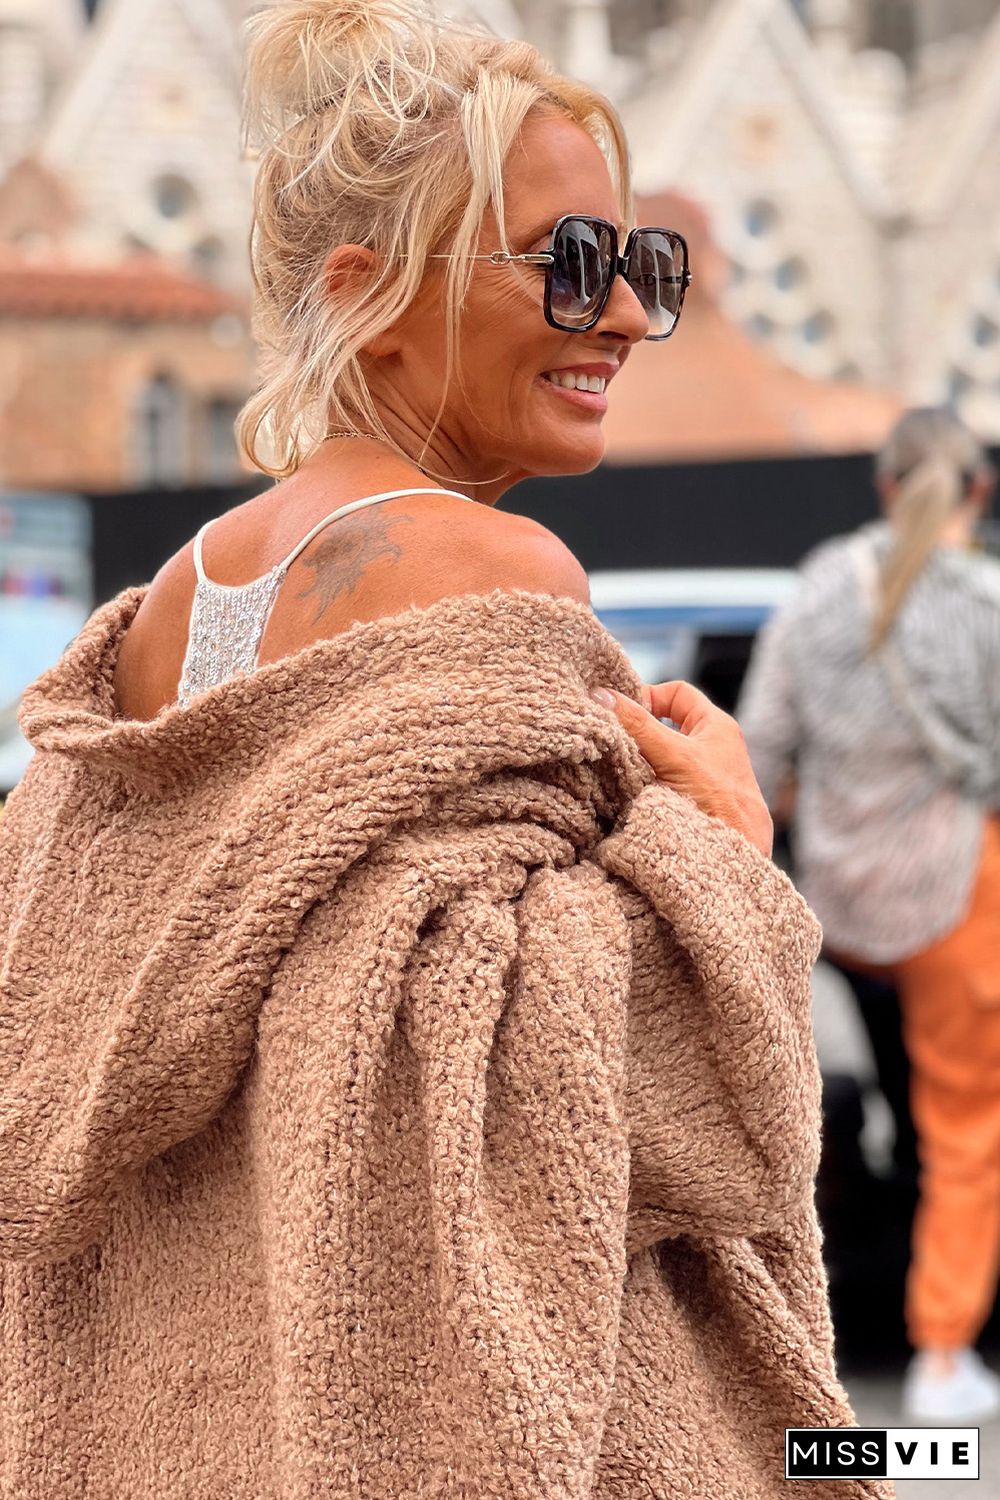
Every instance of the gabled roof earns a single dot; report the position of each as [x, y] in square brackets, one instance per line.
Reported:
[971, 124]
[710, 392]
[669, 114]
[111, 51]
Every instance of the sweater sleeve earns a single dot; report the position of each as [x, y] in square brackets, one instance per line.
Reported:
[724, 1089]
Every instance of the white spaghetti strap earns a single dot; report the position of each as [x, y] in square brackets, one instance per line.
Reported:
[280, 569]
[356, 505]
[228, 621]
[199, 566]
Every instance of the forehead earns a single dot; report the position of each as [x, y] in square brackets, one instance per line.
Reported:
[556, 168]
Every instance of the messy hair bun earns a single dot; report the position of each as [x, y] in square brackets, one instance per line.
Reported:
[379, 123]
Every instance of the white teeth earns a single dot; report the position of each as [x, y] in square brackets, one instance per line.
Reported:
[576, 382]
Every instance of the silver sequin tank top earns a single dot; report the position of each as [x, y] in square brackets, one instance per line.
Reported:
[228, 620]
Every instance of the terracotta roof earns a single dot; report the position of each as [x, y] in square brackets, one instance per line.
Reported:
[710, 391]
[141, 289]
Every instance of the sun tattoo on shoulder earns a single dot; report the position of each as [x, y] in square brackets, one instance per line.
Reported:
[340, 561]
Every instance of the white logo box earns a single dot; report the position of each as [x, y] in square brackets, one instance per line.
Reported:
[910, 1452]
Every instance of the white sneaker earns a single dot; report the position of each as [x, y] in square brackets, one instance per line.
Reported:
[971, 1390]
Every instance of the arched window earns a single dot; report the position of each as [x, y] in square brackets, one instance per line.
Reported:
[222, 457]
[207, 256]
[159, 434]
[893, 26]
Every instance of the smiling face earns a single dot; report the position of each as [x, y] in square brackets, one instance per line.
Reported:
[502, 414]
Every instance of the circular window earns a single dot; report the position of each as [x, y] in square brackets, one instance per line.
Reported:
[760, 217]
[817, 328]
[789, 274]
[760, 326]
[174, 196]
[984, 331]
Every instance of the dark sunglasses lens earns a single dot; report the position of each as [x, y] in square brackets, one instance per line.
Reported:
[656, 267]
[583, 252]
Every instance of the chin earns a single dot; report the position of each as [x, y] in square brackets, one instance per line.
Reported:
[578, 454]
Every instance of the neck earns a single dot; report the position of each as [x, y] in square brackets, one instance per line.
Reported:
[482, 477]
[958, 532]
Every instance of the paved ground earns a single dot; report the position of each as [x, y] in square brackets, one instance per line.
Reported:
[875, 1398]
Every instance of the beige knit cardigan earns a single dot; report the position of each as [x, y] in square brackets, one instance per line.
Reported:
[401, 1094]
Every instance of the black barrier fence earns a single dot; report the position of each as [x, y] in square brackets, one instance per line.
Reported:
[750, 513]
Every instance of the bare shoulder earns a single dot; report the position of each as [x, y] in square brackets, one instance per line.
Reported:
[519, 552]
[397, 555]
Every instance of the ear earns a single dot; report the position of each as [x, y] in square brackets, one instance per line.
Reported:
[981, 489]
[347, 269]
[886, 488]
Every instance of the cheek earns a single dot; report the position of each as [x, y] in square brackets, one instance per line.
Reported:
[503, 347]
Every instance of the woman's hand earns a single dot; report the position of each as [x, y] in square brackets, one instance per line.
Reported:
[705, 758]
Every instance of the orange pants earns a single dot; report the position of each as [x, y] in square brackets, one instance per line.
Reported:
[949, 996]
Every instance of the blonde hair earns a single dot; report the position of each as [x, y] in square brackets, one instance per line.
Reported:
[376, 123]
[932, 457]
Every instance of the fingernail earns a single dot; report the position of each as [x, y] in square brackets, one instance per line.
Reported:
[603, 696]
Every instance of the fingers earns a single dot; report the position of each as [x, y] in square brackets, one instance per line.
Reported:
[715, 771]
[686, 705]
[663, 748]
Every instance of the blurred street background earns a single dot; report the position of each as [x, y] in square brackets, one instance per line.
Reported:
[835, 167]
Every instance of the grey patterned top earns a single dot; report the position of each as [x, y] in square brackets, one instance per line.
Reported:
[228, 621]
[896, 759]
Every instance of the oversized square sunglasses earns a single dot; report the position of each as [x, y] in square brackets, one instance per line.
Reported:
[582, 262]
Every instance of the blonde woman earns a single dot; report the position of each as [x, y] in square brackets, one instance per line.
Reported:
[407, 1086]
[877, 688]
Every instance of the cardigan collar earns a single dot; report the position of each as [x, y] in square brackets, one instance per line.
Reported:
[510, 644]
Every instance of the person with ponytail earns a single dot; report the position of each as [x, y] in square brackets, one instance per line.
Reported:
[871, 711]
[407, 1082]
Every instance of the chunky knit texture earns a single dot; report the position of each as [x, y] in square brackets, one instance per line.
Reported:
[401, 1093]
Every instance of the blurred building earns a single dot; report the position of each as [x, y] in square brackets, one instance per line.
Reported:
[847, 155]
[838, 162]
[715, 391]
[117, 375]
[124, 205]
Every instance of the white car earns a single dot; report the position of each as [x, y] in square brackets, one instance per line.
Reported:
[694, 623]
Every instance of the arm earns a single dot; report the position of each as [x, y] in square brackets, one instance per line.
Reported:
[724, 1085]
[768, 713]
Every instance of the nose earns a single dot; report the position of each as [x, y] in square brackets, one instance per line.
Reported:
[624, 318]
